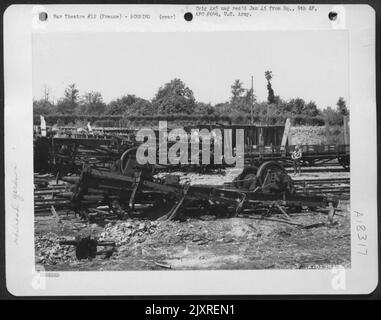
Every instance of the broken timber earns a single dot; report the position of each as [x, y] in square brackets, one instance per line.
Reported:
[135, 189]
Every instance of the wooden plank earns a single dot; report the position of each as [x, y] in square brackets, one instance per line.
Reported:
[286, 132]
[134, 190]
[175, 210]
[281, 210]
[289, 138]
[54, 213]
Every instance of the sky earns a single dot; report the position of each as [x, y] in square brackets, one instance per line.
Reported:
[312, 65]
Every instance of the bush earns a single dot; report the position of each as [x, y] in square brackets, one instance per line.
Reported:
[333, 117]
[334, 134]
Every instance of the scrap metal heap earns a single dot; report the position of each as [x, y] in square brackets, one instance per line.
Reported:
[129, 189]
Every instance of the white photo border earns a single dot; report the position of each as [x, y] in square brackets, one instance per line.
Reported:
[21, 277]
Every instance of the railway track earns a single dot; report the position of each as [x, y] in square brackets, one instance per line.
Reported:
[330, 168]
[332, 186]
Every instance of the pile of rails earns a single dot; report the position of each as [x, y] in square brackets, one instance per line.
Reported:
[48, 194]
[332, 187]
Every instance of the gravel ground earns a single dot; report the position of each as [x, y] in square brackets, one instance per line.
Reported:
[206, 243]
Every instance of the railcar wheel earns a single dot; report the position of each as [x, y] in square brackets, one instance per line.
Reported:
[269, 167]
[273, 178]
[247, 178]
[127, 155]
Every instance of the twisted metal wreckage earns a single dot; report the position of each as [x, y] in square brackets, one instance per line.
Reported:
[130, 189]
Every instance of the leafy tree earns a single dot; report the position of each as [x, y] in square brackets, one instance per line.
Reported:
[92, 104]
[60, 123]
[174, 98]
[121, 105]
[342, 107]
[270, 96]
[311, 109]
[250, 97]
[296, 106]
[71, 93]
[241, 98]
[239, 117]
[332, 117]
[204, 108]
[260, 109]
[237, 91]
[69, 103]
[140, 107]
[42, 107]
[335, 117]
[223, 109]
[175, 102]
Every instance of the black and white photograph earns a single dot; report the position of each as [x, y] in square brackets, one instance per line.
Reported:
[220, 149]
[97, 207]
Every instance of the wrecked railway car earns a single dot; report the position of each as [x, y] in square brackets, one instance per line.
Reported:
[68, 152]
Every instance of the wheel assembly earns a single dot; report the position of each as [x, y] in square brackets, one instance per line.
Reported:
[273, 178]
[247, 179]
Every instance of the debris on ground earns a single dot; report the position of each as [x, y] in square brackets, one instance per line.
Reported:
[128, 231]
[223, 243]
[50, 252]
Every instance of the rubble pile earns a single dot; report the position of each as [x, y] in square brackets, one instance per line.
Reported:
[49, 251]
[308, 135]
[127, 231]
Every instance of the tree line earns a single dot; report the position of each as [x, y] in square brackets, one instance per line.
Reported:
[176, 101]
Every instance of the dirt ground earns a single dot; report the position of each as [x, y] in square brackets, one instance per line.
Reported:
[202, 243]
